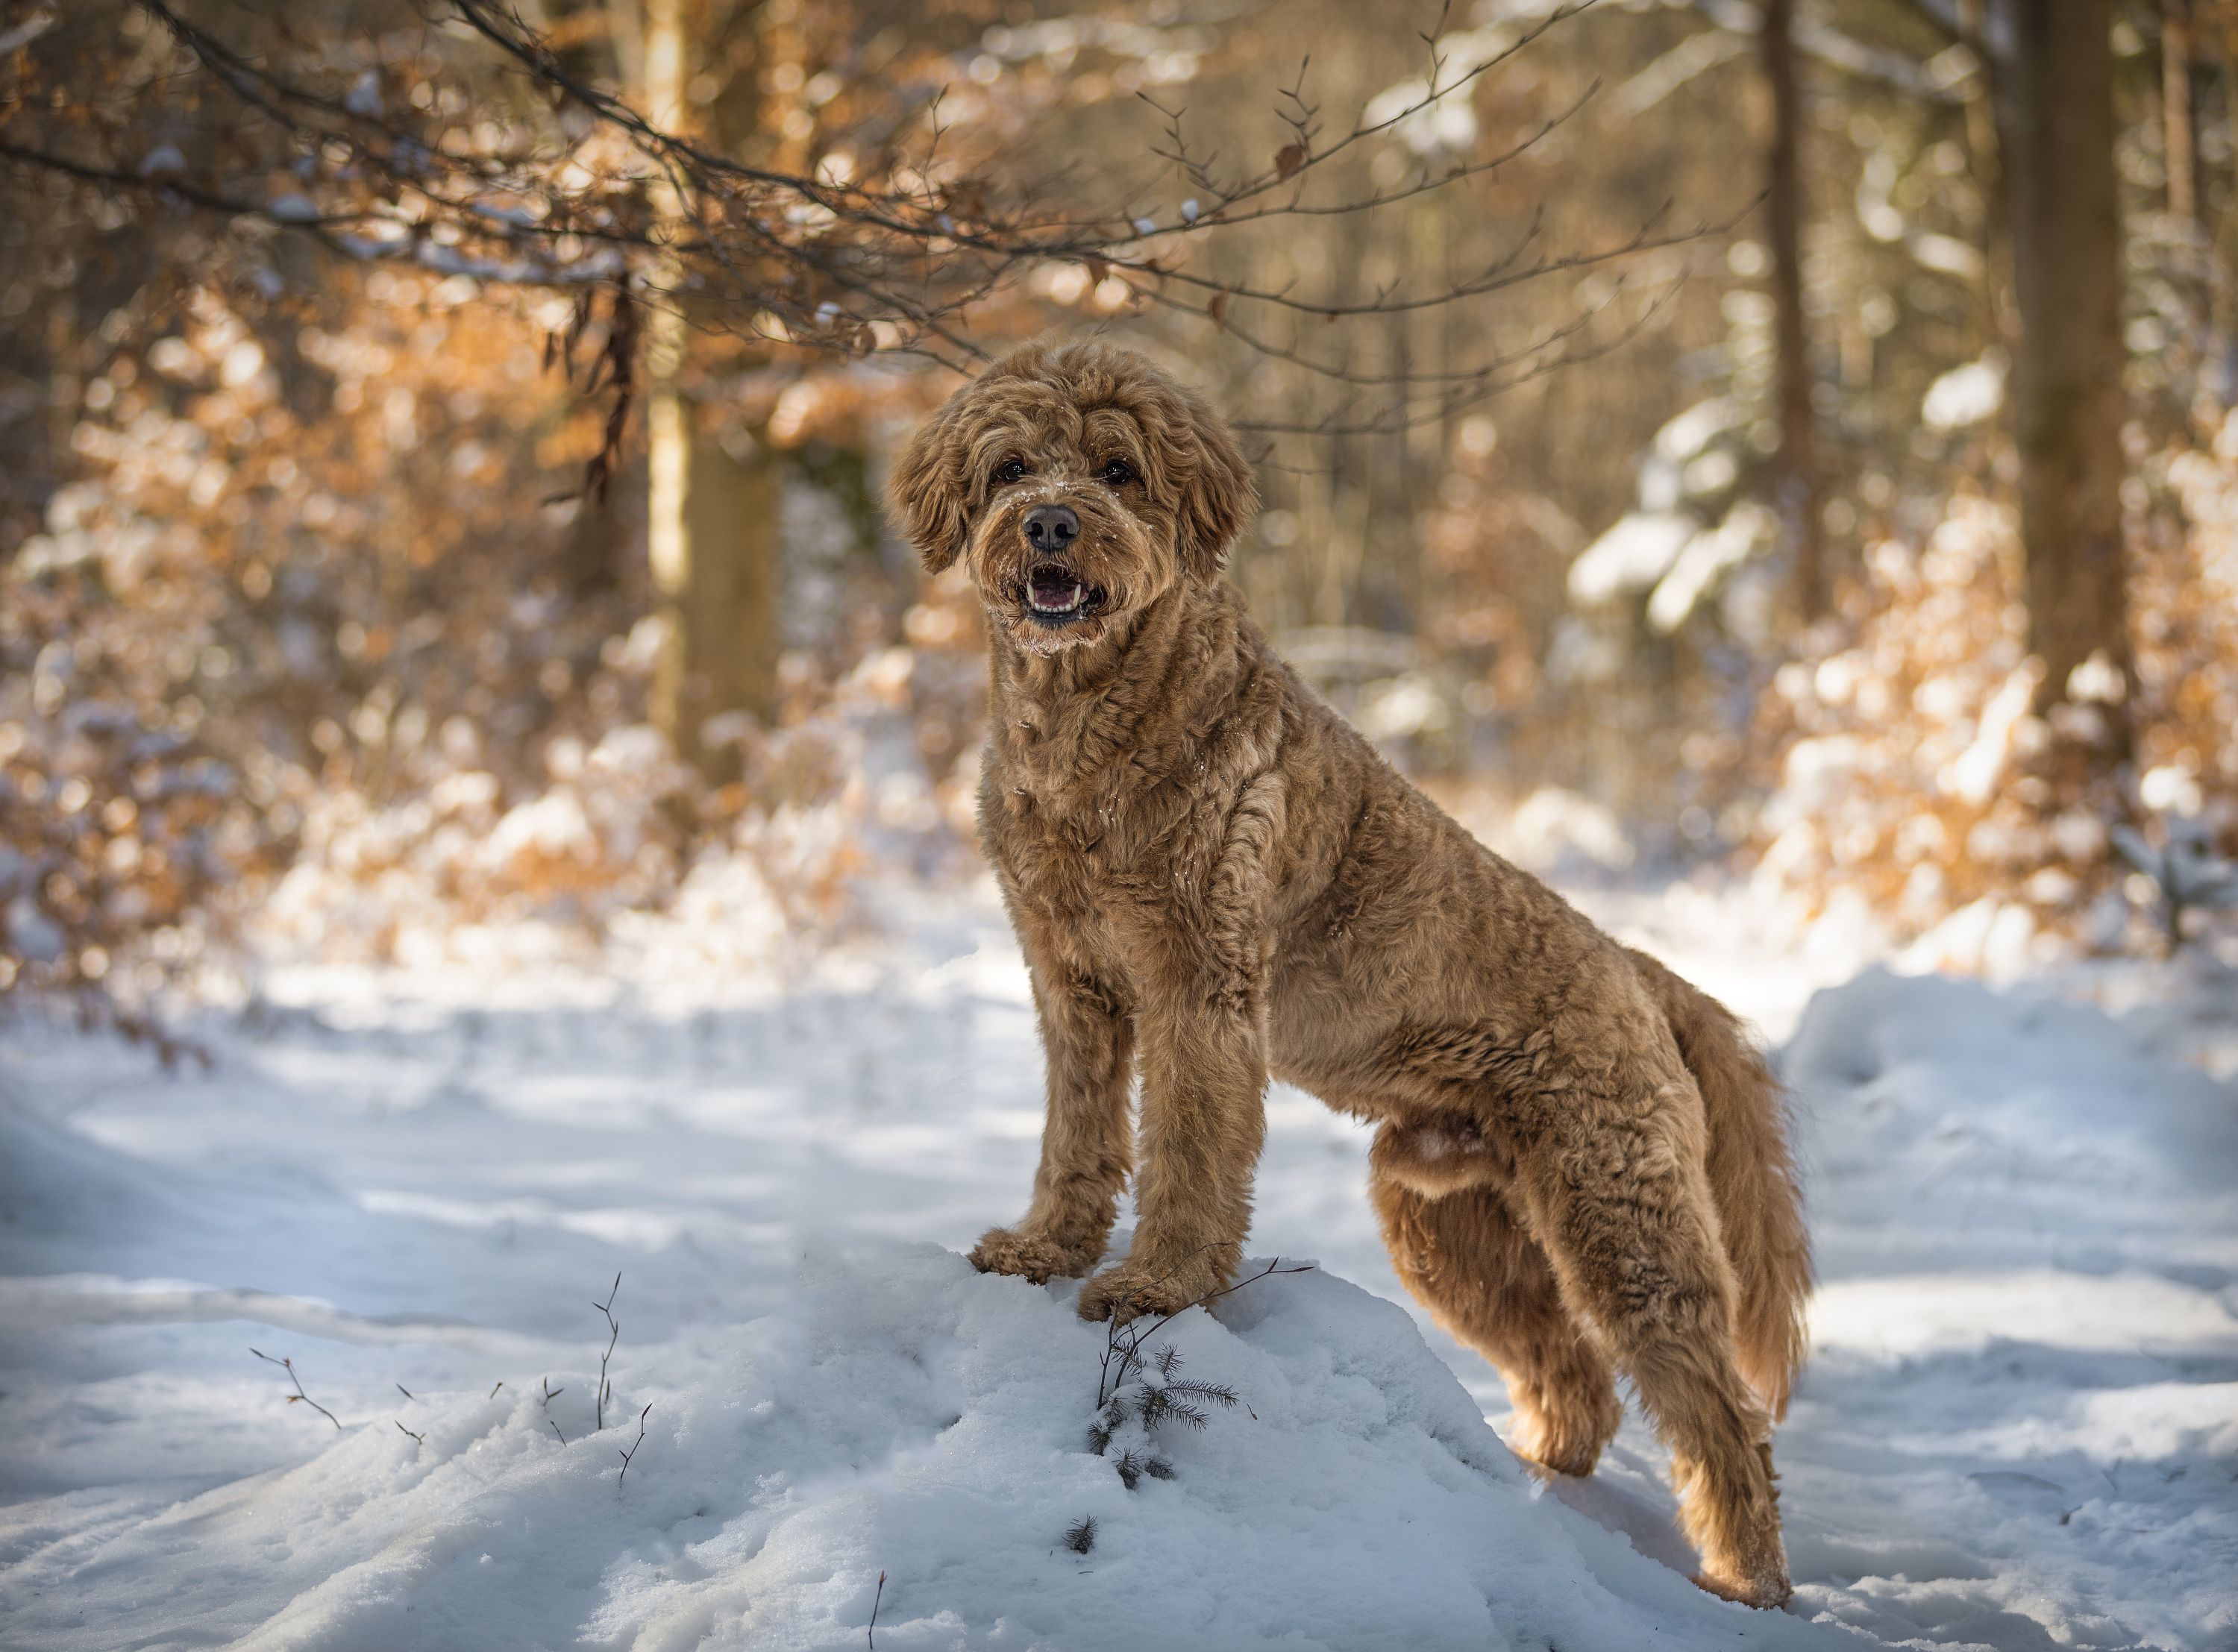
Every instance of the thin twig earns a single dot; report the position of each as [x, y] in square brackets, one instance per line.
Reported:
[607, 1388]
[288, 1365]
[639, 1440]
[870, 1635]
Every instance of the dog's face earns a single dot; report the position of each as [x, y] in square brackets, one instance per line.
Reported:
[1080, 484]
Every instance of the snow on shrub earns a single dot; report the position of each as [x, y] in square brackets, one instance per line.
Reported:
[625, 843]
[1913, 775]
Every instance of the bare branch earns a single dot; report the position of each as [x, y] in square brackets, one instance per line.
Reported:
[288, 1365]
[631, 1452]
[606, 1386]
[896, 256]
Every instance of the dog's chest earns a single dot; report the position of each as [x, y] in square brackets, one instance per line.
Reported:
[1089, 849]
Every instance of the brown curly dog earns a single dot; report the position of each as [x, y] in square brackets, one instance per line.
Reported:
[1582, 1166]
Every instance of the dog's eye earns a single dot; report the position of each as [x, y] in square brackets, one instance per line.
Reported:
[1009, 471]
[1117, 472]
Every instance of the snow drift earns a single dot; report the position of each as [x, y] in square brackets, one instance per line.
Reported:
[2022, 1406]
[2017, 1431]
[908, 1416]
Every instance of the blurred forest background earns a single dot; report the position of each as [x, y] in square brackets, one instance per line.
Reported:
[443, 444]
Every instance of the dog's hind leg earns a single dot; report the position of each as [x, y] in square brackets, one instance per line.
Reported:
[1460, 1251]
[1614, 1188]
[1752, 1179]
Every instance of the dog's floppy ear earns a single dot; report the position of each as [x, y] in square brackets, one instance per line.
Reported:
[1219, 495]
[927, 495]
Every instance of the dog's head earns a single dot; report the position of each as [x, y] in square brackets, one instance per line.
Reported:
[1080, 484]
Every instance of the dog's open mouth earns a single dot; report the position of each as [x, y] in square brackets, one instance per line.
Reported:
[1057, 596]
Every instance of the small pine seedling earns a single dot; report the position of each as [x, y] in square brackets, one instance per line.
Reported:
[1080, 1537]
[1182, 1399]
[1132, 1468]
[1155, 1393]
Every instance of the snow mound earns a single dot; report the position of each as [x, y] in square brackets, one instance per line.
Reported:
[1914, 1077]
[905, 1414]
[2026, 1328]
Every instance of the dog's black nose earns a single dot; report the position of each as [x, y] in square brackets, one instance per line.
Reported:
[1051, 527]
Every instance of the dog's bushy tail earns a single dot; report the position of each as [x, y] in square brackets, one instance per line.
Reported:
[1752, 1178]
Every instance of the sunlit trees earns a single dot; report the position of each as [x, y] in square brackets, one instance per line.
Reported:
[427, 421]
[410, 397]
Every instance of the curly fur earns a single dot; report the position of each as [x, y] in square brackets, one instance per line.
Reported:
[1581, 1167]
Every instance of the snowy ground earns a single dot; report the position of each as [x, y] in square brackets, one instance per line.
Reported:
[2020, 1429]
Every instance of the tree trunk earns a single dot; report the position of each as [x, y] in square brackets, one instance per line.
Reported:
[1798, 487]
[2067, 372]
[711, 521]
[1985, 154]
[2216, 28]
[2180, 139]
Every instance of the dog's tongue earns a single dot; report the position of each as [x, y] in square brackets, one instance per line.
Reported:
[1054, 588]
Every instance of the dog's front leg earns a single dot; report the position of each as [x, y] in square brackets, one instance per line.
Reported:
[1088, 1041]
[1204, 1116]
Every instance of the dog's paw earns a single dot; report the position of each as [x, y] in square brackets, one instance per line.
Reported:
[1574, 1459]
[1767, 1594]
[1005, 1250]
[1134, 1288]
[1768, 1591]
[1563, 1433]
